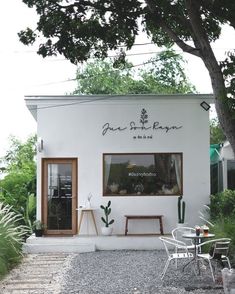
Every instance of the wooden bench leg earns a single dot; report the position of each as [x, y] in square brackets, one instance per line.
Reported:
[126, 227]
[161, 226]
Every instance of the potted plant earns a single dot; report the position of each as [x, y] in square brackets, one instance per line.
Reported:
[181, 211]
[38, 228]
[106, 230]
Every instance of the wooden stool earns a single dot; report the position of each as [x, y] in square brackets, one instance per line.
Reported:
[87, 210]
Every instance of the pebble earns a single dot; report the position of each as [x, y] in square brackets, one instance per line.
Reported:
[105, 272]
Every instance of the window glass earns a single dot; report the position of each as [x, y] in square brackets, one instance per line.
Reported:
[142, 174]
[231, 174]
[59, 197]
[216, 178]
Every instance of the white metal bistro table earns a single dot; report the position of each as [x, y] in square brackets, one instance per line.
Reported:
[196, 240]
[88, 211]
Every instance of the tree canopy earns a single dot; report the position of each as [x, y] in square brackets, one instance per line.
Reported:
[85, 28]
[216, 134]
[163, 74]
[18, 187]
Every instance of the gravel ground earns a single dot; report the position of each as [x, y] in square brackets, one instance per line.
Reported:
[132, 272]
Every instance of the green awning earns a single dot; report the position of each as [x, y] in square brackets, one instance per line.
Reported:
[215, 153]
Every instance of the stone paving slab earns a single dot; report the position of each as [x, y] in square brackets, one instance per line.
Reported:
[37, 274]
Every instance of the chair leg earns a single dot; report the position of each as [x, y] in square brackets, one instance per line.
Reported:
[228, 261]
[165, 269]
[212, 272]
[176, 264]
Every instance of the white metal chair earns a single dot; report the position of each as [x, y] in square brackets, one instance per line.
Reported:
[180, 251]
[178, 232]
[218, 250]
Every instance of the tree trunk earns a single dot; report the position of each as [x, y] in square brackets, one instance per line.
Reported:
[225, 115]
[201, 41]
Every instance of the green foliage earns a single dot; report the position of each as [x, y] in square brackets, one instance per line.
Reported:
[100, 77]
[216, 134]
[181, 210]
[38, 225]
[222, 208]
[228, 66]
[164, 74]
[18, 187]
[223, 204]
[107, 211]
[12, 237]
[86, 29]
[30, 211]
[224, 227]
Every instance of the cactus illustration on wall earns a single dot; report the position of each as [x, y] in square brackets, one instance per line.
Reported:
[181, 210]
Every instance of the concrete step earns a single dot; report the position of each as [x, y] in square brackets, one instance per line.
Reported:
[68, 248]
[90, 243]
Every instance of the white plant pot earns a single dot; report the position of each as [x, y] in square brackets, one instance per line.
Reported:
[180, 225]
[106, 231]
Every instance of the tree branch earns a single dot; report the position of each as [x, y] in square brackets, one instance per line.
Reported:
[159, 21]
[201, 36]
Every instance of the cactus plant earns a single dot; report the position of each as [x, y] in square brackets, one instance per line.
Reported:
[107, 211]
[181, 210]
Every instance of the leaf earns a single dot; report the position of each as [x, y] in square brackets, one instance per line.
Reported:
[103, 220]
[111, 222]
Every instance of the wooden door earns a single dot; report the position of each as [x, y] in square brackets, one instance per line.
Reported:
[59, 195]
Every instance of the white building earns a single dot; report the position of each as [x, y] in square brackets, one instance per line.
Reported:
[222, 167]
[139, 151]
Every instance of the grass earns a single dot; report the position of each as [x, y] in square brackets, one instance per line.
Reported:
[12, 235]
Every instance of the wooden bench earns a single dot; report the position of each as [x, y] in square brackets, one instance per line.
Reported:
[146, 217]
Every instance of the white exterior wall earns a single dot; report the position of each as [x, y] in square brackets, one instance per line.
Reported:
[76, 131]
[226, 152]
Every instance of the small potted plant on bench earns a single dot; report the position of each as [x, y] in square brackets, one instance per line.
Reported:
[106, 230]
[38, 228]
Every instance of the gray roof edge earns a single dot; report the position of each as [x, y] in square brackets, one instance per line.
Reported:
[121, 97]
[33, 101]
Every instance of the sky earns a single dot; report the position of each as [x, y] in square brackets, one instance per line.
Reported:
[23, 72]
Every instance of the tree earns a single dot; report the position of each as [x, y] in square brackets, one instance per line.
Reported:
[99, 77]
[85, 28]
[163, 75]
[216, 134]
[18, 187]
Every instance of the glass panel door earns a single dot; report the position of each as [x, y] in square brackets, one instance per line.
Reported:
[60, 195]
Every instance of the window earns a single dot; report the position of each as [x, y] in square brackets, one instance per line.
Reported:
[142, 174]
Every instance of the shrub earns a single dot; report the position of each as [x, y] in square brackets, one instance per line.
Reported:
[225, 228]
[222, 211]
[11, 238]
[223, 204]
